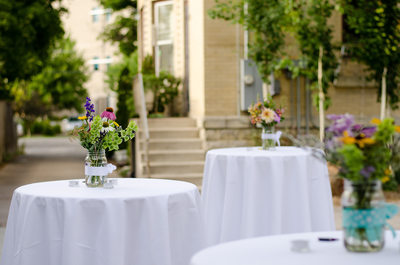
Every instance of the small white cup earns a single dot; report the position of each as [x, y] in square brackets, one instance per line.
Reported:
[114, 181]
[108, 185]
[300, 245]
[73, 183]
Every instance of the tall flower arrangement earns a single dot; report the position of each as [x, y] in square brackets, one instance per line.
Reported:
[102, 132]
[363, 155]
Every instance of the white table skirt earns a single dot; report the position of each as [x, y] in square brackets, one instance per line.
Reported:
[139, 222]
[249, 192]
[276, 250]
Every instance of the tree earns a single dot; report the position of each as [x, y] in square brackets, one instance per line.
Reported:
[124, 30]
[120, 80]
[58, 86]
[314, 36]
[374, 40]
[28, 31]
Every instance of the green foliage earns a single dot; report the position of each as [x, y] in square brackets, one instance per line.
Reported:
[58, 86]
[270, 21]
[385, 131]
[111, 141]
[120, 77]
[353, 158]
[312, 31]
[374, 40]
[45, 127]
[124, 29]
[28, 31]
[165, 86]
[60, 83]
[94, 133]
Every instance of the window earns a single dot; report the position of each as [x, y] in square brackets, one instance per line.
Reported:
[163, 21]
[95, 63]
[108, 60]
[108, 14]
[95, 14]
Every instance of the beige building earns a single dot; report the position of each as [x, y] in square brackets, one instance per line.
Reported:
[208, 55]
[84, 23]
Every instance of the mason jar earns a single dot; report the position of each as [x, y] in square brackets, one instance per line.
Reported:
[268, 138]
[95, 168]
[363, 216]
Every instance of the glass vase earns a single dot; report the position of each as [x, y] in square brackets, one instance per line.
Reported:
[95, 168]
[268, 139]
[363, 216]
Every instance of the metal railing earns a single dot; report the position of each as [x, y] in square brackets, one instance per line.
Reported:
[140, 103]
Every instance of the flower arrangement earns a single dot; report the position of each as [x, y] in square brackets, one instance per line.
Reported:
[361, 152]
[363, 155]
[265, 114]
[102, 132]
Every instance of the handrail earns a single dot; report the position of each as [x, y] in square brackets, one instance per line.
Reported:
[143, 118]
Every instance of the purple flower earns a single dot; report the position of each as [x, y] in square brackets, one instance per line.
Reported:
[368, 131]
[340, 124]
[109, 114]
[277, 118]
[367, 171]
[89, 109]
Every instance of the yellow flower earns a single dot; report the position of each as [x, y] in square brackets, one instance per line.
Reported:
[116, 124]
[397, 128]
[82, 117]
[388, 172]
[376, 121]
[385, 179]
[365, 141]
[347, 139]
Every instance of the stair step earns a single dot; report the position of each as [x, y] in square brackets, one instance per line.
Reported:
[175, 155]
[184, 132]
[173, 144]
[196, 179]
[175, 167]
[171, 122]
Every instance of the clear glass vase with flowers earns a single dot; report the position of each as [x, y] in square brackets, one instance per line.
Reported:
[363, 155]
[98, 134]
[266, 115]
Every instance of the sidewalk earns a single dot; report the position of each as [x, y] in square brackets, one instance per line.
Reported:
[45, 159]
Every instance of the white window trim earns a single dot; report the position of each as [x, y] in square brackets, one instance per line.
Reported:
[100, 11]
[101, 61]
[163, 42]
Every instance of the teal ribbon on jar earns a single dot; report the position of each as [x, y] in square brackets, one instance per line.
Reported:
[369, 219]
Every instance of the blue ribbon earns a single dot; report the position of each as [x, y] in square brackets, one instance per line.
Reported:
[372, 220]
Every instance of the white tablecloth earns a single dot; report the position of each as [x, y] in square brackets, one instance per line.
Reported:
[139, 222]
[275, 250]
[250, 192]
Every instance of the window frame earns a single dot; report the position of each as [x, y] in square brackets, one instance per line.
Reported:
[158, 43]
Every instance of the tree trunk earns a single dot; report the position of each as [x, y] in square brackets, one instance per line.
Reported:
[321, 97]
[383, 94]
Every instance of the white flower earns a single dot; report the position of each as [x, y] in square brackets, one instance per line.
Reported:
[107, 127]
[268, 115]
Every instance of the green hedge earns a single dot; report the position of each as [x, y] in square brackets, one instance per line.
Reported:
[44, 127]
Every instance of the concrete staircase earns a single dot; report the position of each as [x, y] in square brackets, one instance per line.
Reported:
[175, 150]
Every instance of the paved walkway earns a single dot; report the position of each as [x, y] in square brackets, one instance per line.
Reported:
[45, 159]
